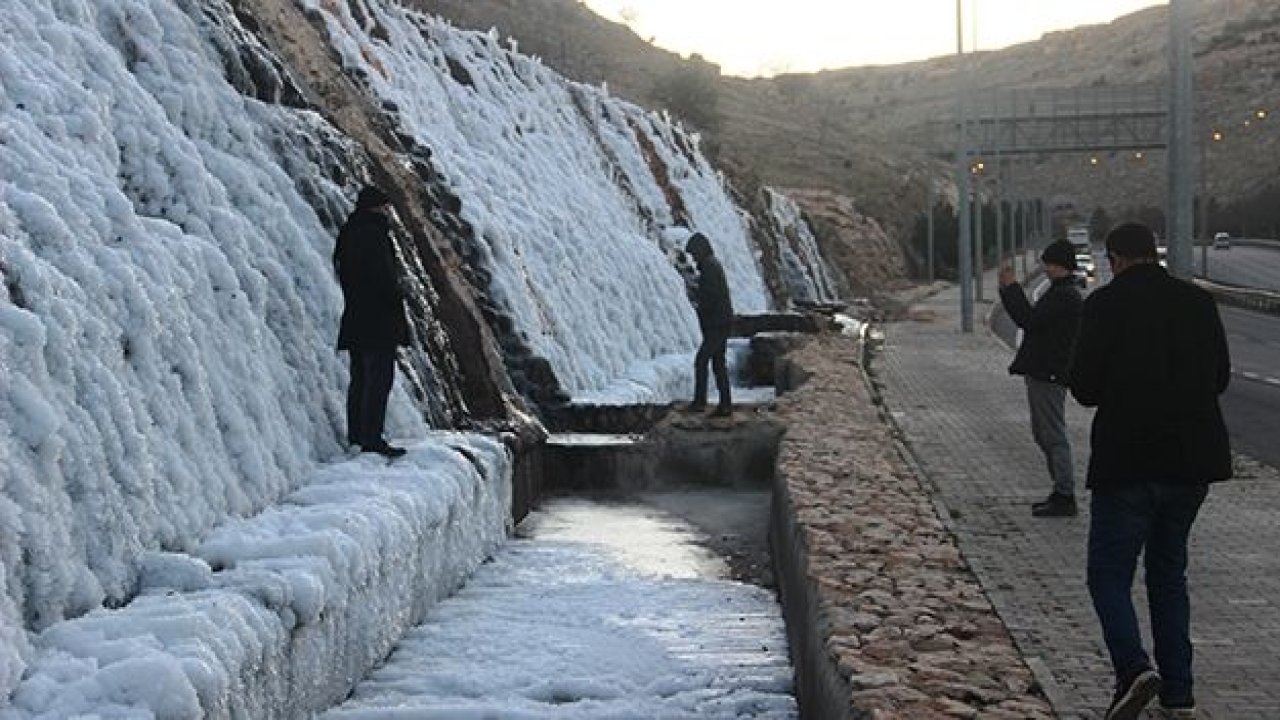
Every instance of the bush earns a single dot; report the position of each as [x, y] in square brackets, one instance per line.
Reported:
[692, 93]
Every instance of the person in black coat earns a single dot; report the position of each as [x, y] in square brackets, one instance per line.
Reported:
[1152, 358]
[373, 319]
[1049, 334]
[715, 318]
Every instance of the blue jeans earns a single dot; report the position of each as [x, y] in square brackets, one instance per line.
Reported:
[1125, 520]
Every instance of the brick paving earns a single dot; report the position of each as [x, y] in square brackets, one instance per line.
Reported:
[965, 420]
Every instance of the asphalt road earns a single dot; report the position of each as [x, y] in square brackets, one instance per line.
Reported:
[1251, 404]
[1254, 267]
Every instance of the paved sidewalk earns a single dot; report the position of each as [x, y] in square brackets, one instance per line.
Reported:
[966, 422]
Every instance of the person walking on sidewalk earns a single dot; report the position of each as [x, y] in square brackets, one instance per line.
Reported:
[373, 320]
[1152, 358]
[715, 318]
[1049, 333]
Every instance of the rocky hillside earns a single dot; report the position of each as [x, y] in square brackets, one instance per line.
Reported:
[874, 134]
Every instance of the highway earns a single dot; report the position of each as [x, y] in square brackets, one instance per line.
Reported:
[1252, 402]
[1254, 267]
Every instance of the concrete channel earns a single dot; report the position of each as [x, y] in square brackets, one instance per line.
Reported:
[652, 495]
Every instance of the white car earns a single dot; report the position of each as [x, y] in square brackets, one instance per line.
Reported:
[1222, 241]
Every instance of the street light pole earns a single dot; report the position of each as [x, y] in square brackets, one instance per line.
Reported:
[999, 209]
[1181, 171]
[1204, 210]
[929, 214]
[979, 254]
[965, 271]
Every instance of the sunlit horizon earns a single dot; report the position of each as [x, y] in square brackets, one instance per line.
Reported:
[753, 38]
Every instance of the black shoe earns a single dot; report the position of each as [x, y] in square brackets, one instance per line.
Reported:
[1045, 501]
[695, 407]
[721, 411]
[1181, 709]
[1180, 712]
[1132, 697]
[383, 449]
[1056, 506]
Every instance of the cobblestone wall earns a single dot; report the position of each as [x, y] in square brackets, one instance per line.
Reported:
[886, 618]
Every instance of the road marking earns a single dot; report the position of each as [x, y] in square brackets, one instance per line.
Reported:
[1256, 377]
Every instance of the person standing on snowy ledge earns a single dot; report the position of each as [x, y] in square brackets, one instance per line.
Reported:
[373, 318]
[715, 318]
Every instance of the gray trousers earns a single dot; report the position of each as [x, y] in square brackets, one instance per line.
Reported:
[1049, 427]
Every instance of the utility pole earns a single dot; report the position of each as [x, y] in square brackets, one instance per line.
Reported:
[1024, 208]
[1205, 232]
[929, 215]
[965, 271]
[999, 210]
[979, 237]
[1181, 133]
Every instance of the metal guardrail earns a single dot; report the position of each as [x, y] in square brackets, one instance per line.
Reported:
[1256, 242]
[1255, 299]
[1247, 298]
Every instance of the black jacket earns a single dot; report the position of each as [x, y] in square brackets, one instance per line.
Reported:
[1152, 356]
[715, 308]
[1049, 329]
[373, 317]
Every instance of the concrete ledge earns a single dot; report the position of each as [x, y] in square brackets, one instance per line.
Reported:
[748, 325]
[604, 419]
[739, 452]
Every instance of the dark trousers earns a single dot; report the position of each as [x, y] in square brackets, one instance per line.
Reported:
[712, 350]
[372, 372]
[1157, 518]
[1047, 402]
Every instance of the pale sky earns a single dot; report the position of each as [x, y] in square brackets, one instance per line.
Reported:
[766, 37]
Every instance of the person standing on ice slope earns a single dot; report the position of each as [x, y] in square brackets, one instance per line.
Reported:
[373, 319]
[715, 318]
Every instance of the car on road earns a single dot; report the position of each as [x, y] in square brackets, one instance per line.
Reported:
[1222, 241]
[1086, 269]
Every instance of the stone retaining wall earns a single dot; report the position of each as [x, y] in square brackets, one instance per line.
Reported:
[885, 618]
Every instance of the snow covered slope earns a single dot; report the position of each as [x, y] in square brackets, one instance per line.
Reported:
[168, 307]
[278, 615]
[568, 191]
[169, 195]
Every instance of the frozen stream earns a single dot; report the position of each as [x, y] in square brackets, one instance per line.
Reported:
[596, 610]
